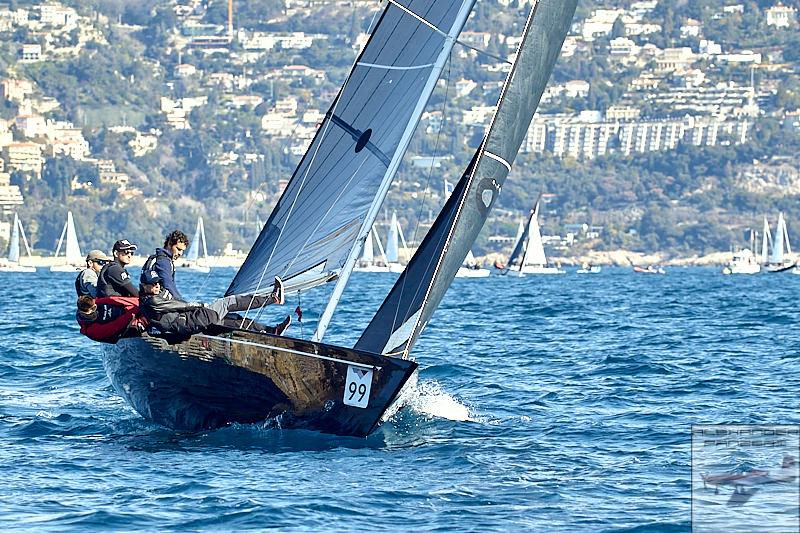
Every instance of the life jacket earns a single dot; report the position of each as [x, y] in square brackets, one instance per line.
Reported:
[116, 317]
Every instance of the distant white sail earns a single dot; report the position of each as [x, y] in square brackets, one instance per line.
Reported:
[13, 245]
[766, 239]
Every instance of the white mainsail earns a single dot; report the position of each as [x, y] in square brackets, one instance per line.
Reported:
[534, 249]
[780, 245]
[766, 239]
[72, 251]
[193, 253]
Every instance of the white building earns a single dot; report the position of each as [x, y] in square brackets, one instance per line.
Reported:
[781, 16]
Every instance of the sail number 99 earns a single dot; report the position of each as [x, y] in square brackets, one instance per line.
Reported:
[357, 386]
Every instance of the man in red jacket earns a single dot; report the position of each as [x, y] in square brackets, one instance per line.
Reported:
[110, 318]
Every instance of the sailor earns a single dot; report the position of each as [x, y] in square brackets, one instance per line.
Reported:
[110, 319]
[86, 282]
[113, 279]
[163, 261]
[171, 316]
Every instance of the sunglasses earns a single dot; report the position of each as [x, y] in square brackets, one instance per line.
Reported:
[126, 252]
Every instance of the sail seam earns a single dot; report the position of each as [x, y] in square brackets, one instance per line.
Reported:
[497, 158]
[394, 67]
[406, 10]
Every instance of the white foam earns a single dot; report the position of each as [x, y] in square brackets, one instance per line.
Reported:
[428, 398]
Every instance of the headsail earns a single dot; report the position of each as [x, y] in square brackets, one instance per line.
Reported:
[777, 243]
[193, 254]
[73, 250]
[517, 258]
[13, 245]
[318, 226]
[393, 241]
[418, 291]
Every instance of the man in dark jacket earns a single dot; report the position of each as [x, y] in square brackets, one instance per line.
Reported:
[113, 279]
[163, 261]
[171, 316]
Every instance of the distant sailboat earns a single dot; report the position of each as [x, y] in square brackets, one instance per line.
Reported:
[192, 259]
[367, 262]
[470, 268]
[744, 261]
[528, 256]
[393, 246]
[12, 264]
[778, 260]
[73, 258]
[316, 232]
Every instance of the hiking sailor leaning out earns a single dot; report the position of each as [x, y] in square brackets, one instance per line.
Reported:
[86, 282]
[113, 279]
[171, 316]
[163, 261]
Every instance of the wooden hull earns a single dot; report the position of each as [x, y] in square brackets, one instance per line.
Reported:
[209, 382]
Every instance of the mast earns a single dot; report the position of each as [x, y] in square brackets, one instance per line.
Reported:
[372, 213]
[61, 239]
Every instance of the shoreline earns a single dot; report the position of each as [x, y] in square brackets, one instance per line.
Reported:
[620, 258]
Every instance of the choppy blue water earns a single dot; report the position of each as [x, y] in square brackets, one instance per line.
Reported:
[546, 403]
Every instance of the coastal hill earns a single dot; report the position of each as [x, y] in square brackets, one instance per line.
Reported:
[668, 128]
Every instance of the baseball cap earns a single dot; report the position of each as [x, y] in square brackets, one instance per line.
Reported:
[124, 245]
[149, 277]
[97, 255]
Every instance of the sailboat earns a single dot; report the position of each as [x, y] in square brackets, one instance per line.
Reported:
[744, 261]
[393, 245]
[316, 231]
[12, 264]
[528, 256]
[367, 262]
[470, 268]
[778, 260]
[191, 261]
[73, 258]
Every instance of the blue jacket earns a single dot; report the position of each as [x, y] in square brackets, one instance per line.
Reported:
[162, 263]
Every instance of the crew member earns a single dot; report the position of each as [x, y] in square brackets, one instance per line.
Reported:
[163, 261]
[86, 282]
[110, 319]
[113, 279]
[171, 316]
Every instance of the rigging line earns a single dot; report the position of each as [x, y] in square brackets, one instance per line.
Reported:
[308, 170]
[430, 173]
[319, 223]
[437, 30]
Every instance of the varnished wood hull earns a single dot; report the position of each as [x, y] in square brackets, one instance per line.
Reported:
[209, 382]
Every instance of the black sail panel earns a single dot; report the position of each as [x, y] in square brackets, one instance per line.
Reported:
[417, 293]
[317, 220]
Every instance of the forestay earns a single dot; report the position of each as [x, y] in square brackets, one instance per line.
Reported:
[418, 291]
[318, 226]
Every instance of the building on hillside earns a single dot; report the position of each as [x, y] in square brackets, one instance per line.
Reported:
[675, 59]
[15, 90]
[24, 157]
[30, 53]
[10, 195]
[781, 16]
[58, 16]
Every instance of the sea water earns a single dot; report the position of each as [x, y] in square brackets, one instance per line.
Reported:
[561, 403]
